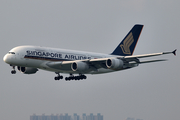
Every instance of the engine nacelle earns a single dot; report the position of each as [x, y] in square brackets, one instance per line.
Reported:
[79, 66]
[27, 70]
[114, 63]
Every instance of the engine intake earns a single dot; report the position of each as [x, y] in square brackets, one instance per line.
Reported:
[114, 63]
[27, 70]
[79, 66]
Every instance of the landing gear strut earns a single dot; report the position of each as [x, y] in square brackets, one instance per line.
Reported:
[13, 70]
[72, 77]
[58, 77]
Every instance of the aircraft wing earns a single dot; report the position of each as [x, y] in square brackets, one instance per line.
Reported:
[101, 62]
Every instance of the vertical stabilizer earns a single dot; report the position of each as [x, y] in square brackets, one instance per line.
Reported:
[128, 44]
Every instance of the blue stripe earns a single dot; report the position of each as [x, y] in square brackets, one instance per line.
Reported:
[45, 58]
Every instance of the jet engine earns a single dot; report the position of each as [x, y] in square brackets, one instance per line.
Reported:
[79, 66]
[114, 63]
[27, 70]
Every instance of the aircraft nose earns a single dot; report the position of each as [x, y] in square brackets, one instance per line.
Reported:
[6, 58]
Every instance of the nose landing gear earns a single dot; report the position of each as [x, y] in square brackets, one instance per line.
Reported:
[13, 71]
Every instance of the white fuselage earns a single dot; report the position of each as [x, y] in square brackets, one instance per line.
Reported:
[40, 57]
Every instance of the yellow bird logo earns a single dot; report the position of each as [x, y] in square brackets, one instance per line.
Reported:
[127, 43]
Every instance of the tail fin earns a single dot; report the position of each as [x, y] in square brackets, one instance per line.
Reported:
[128, 44]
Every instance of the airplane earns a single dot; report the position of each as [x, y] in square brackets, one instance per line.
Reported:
[29, 59]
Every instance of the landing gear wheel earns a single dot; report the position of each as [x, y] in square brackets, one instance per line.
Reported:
[13, 72]
[67, 79]
[61, 77]
[72, 77]
[55, 78]
[84, 77]
[58, 77]
[13, 69]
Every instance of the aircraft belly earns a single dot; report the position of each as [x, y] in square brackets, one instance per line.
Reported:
[101, 71]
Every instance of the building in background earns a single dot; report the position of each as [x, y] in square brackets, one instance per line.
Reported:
[132, 119]
[76, 117]
[66, 117]
[84, 116]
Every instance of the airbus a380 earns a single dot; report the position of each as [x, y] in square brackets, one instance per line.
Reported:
[29, 59]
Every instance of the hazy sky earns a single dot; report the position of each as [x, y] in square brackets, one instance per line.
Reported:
[150, 91]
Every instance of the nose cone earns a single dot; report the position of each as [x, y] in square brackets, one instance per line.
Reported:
[6, 58]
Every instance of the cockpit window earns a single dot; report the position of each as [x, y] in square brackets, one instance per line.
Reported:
[11, 52]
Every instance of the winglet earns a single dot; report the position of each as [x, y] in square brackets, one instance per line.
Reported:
[174, 52]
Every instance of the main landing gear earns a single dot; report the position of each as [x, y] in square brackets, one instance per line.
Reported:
[58, 77]
[13, 71]
[72, 77]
